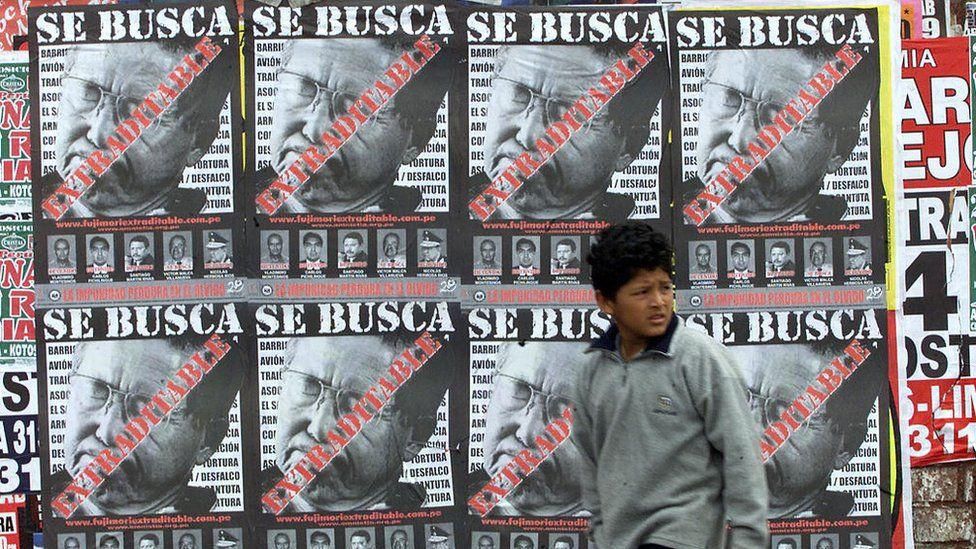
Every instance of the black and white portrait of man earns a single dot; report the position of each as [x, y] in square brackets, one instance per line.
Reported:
[318, 81]
[533, 86]
[101, 256]
[742, 92]
[109, 384]
[104, 85]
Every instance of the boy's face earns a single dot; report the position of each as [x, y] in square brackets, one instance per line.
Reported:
[644, 305]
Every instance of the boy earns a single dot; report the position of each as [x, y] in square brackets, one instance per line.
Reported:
[670, 449]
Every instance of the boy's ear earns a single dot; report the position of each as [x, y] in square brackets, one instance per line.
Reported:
[604, 303]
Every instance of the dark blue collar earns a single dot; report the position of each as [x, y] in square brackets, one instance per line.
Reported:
[661, 343]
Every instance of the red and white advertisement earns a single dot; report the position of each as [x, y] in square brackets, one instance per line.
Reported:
[936, 141]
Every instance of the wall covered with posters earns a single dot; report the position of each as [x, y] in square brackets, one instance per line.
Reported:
[304, 270]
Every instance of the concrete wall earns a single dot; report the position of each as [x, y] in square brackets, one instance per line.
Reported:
[944, 506]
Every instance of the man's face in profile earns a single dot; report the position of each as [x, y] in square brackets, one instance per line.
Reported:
[564, 253]
[96, 414]
[487, 251]
[740, 258]
[800, 469]
[100, 90]
[71, 543]
[703, 256]
[313, 248]
[109, 542]
[350, 247]
[281, 541]
[137, 250]
[99, 252]
[529, 391]
[818, 254]
[526, 254]
[275, 245]
[777, 256]
[533, 87]
[318, 83]
[485, 542]
[147, 544]
[61, 250]
[391, 245]
[187, 541]
[177, 248]
[361, 474]
[358, 542]
[792, 173]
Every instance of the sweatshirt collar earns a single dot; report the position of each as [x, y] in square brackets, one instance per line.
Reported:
[661, 344]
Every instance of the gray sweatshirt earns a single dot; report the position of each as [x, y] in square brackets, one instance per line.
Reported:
[670, 448]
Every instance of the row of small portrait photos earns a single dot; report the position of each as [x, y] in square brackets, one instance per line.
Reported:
[856, 540]
[353, 252]
[222, 538]
[528, 259]
[821, 261]
[103, 257]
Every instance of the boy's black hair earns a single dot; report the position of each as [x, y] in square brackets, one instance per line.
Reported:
[623, 249]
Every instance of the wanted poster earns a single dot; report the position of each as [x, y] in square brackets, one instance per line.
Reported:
[522, 467]
[348, 139]
[20, 467]
[356, 400]
[778, 154]
[15, 170]
[816, 382]
[137, 154]
[563, 132]
[143, 430]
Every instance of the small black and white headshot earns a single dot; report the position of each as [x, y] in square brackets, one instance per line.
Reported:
[72, 541]
[274, 250]
[432, 249]
[313, 251]
[865, 540]
[104, 85]
[318, 81]
[565, 255]
[360, 538]
[786, 542]
[819, 258]
[101, 255]
[178, 251]
[282, 539]
[525, 256]
[112, 540]
[391, 244]
[742, 261]
[486, 540]
[533, 87]
[779, 258]
[149, 540]
[399, 537]
[219, 248]
[321, 380]
[824, 541]
[702, 258]
[353, 250]
[187, 539]
[858, 260]
[155, 479]
[139, 252]
[563, 541]
[320, 538]
[488, 256]
[61, 255]
[738, 99]
[525, 540]
[228, 538]
[439, 536]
